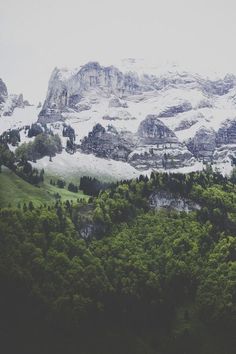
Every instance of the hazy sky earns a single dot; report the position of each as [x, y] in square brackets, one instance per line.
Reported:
[37, 35]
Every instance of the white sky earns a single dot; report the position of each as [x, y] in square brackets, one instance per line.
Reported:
[37, 35]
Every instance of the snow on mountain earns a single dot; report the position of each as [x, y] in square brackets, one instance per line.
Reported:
[195, 110]
[10, 104]
[19, 118]
[80, 164]
[188, 104]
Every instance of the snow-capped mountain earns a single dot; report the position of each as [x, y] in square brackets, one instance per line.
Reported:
[185, 114]
[9, 102]
[135, 120]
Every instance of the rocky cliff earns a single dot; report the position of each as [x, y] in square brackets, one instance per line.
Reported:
[8, 102]
[3, 92]
[66, 89]
[203, 144]
[153, 146]
[227, 133]
[108, 143]
[158, 147]
[165, 200]
[189, 118]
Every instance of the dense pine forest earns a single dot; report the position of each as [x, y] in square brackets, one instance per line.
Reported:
[114, 274]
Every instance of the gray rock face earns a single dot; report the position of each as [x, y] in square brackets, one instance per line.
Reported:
[176, 79]
[174, 110]
[116, 102]
[119, 115]
[185, 124]
[154, 145]
[203, 144]
[3, 92]
[205, 104]
[158, 147]
[66, 90]
[225, 151]
[12, 102]
[94, 93]
[226, 134]
[83, 107]
[50, 115]
[153, 131]
[26, 103]
[108, 143]
[9, 102]
[160, 200]
[219, 87]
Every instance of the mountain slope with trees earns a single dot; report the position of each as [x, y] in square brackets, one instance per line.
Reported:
[113, 275]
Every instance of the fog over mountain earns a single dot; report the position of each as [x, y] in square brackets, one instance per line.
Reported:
[36, 36]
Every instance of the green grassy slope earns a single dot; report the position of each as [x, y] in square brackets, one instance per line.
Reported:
[14, 190]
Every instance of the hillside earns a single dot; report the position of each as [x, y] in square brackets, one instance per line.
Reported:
[15, 190]
[132, 271]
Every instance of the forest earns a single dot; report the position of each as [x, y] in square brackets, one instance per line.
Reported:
[114, 275]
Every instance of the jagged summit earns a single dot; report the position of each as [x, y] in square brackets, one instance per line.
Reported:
[148, 120]
[9, 102]
[68, 89]
[175, 117]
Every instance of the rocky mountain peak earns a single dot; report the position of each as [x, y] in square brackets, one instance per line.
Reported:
[8, 102]
[3, 91]
[153, 131]
[68, 88]
[203, 143]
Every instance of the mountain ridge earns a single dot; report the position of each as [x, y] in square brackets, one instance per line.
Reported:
[198, 112]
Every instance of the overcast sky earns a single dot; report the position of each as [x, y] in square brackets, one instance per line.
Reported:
[37, 35]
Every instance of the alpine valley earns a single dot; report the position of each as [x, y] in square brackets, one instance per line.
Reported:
[118, 213]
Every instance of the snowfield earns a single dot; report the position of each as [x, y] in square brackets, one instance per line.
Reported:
[79, 164]
[19, 119]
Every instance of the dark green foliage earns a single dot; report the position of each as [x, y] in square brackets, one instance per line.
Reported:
[69, 132]
[32, 175]
[112, 276]
[52, 182]
[72, 187]
[61, 183]
[7, 157]
[35, 130]
[11, 136]
[92, 186]
[43, 145]
[21, 167]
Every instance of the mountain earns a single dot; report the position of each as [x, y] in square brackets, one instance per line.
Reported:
[118, 121]
[67, 89]
[3, 92]
[110, 109]
[9, 102]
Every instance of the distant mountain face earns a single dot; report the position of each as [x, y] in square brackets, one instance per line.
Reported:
[68, 89]
[3, 92]
[125, 122]
[8, 102]
[171, 120]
